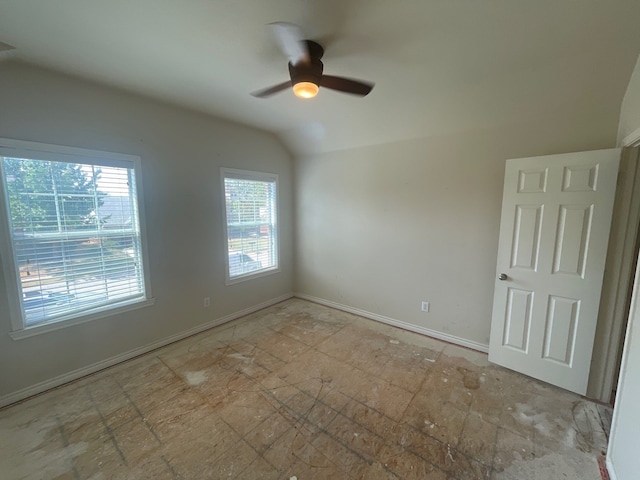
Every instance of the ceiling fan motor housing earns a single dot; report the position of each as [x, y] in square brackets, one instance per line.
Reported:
[306, 72]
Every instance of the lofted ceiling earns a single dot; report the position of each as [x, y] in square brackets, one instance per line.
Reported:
[440, 66]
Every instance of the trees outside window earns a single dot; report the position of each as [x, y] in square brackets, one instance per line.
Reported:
[74, 234]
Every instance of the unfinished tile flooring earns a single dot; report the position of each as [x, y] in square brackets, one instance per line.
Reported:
[303, 390]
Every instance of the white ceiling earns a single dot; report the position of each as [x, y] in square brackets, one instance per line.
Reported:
[440, 66]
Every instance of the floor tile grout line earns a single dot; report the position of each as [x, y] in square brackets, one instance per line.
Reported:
[140, 414]
[457, 446]
[342, 326]
[276, 438]
[65, 443]
[189, 387]
[362, 457]
[175, 374]
[174, 474]
[495, 452]
[418, 390]
[466, 417]
[242, 439]
[602, 422]
[321, 429]
[106, 427]
[260, 454]
[534, 441]
[310, 445]
[354, 399]
[443, 443]
[255, 347]
[313, 426]
[367, 372]
[408, 425]
[357, 401]
[307, 347]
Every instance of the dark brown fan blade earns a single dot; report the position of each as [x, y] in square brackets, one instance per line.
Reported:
[267, 92]
[346, 85]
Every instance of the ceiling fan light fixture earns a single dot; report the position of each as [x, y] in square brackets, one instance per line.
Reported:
[305, 89]
[306, 70]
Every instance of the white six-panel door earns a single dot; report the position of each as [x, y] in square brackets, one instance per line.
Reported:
[554, 230]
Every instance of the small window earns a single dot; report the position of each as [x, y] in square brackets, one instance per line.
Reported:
[250, 221]
[73, 231]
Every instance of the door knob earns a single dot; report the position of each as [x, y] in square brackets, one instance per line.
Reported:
[502, 276]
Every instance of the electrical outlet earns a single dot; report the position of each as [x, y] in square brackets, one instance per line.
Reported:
[207, 301]
[425, 306]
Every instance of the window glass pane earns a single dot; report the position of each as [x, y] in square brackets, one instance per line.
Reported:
[251, 225]
[75, 236]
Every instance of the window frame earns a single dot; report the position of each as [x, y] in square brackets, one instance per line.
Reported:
[42, 151]
[251, 176]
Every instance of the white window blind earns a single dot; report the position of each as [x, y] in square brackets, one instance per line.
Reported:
[250, 212]
[75, 235]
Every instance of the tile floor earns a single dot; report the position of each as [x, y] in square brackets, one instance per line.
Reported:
[301, 390]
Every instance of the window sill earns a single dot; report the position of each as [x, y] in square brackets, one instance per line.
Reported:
[71, 321]
[251, 276]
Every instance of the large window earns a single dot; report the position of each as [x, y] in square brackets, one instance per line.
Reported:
[251, 226]
[74, 233]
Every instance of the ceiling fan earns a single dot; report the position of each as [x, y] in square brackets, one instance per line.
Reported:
[305, 67]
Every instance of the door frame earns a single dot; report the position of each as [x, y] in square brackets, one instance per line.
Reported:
[619, 272]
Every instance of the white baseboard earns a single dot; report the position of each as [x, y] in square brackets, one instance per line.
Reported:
[463, 342]
[109, 362]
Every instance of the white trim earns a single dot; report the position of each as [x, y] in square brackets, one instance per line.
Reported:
[463, 342]
[60, 323]
[634, 316]
[11, 272]
[101, 365]
[255, 176]
[60, 153]
[251, 275]
[618, 278]
[610, 470]
[632, 139]
[142, 225]
[248, 174]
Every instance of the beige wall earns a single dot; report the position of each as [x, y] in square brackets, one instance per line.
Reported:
[382, 228]
[181, 154]
[379, 228]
